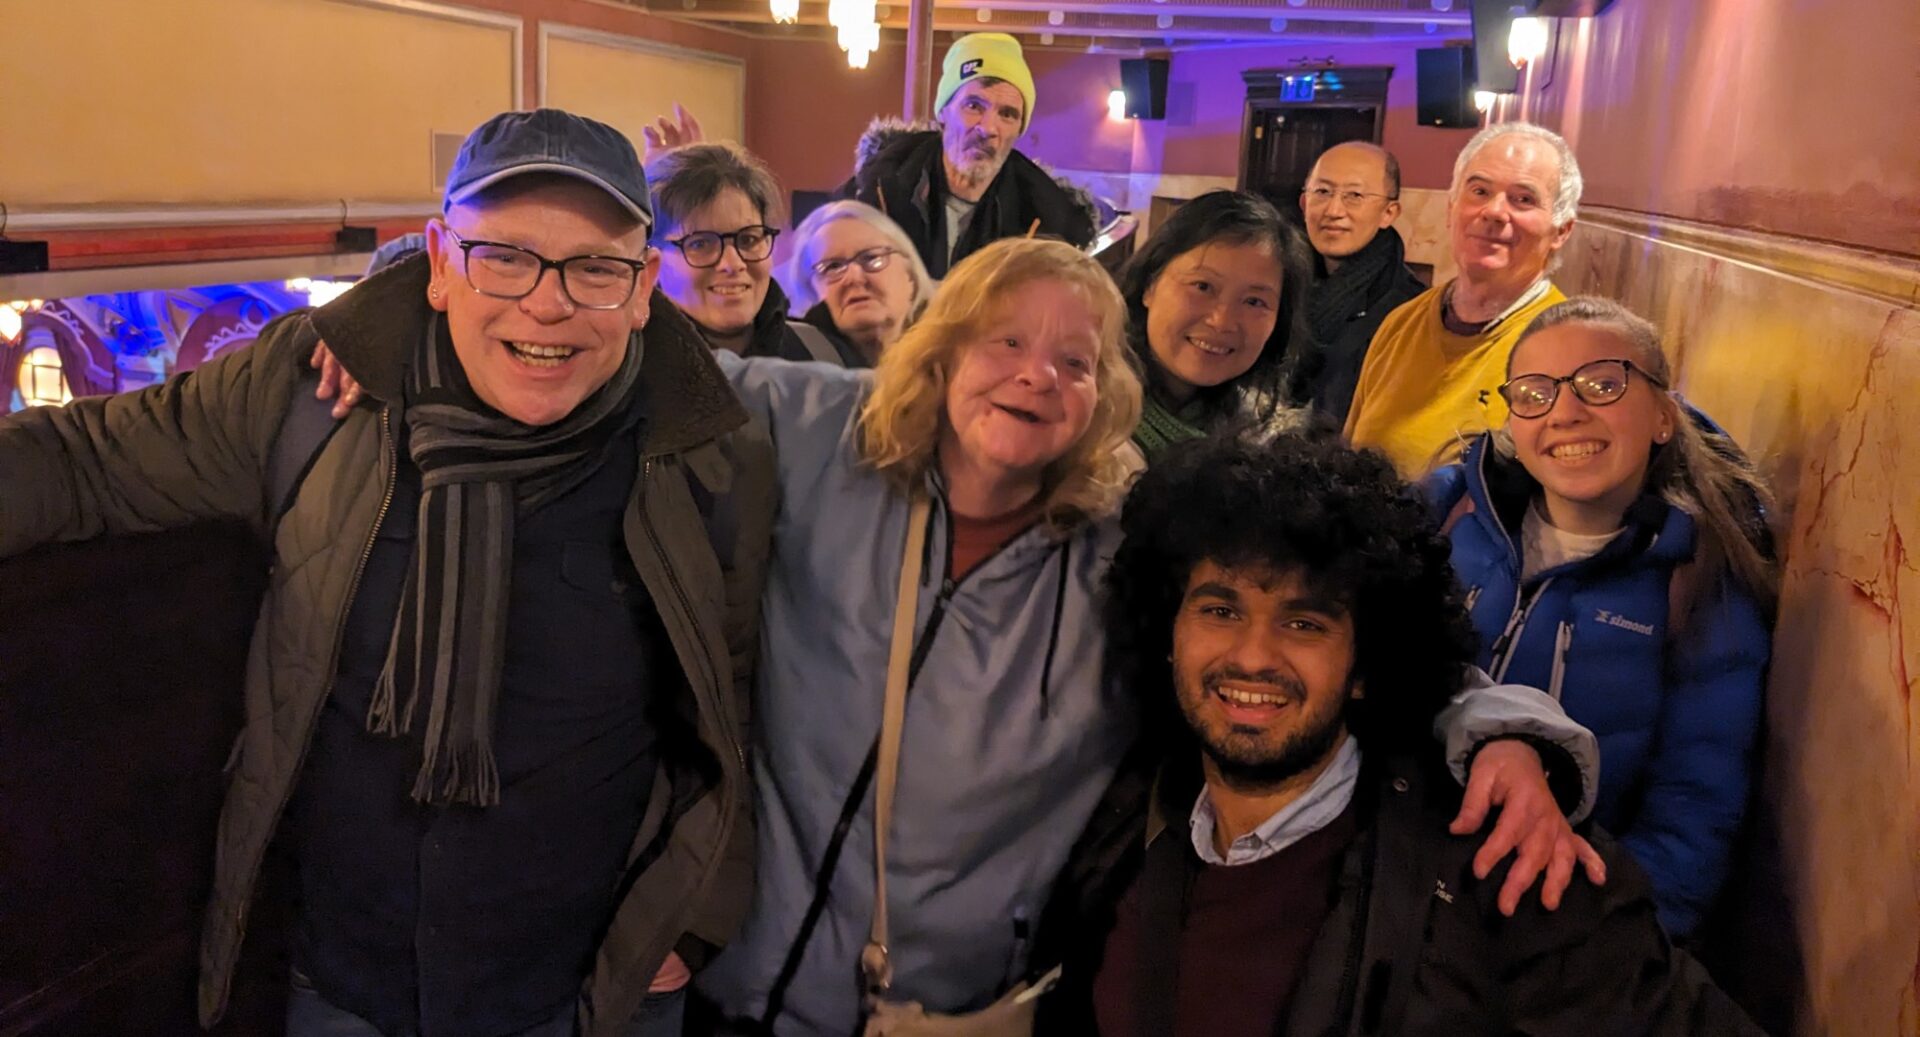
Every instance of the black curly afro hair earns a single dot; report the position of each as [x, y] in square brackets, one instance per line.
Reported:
[1301, 502]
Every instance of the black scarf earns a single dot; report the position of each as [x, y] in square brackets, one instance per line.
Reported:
[1340, 296]
[479, 470]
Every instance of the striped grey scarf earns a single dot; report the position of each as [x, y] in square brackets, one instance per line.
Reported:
[479, 471]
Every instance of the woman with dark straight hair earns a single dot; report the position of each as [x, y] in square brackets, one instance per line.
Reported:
[1217, 318]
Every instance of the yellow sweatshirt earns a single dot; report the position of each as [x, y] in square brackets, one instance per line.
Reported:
[1425, 391]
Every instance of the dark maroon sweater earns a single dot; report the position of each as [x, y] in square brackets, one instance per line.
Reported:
[1244, 944]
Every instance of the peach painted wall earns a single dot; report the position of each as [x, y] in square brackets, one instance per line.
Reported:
[806, 108]
[1787, 116]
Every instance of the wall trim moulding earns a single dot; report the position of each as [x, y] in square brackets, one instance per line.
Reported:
[560, 30]
[162, 276]
[514, 25]
[1885, 276]
[121, 217]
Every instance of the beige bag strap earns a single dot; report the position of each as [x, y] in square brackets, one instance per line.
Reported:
[874, 963]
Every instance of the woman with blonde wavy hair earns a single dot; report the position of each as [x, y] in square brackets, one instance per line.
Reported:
[1005, 406]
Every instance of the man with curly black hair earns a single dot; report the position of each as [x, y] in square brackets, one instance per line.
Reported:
[1298, 603]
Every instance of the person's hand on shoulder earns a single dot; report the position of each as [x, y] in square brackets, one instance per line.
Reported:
[1507, 773]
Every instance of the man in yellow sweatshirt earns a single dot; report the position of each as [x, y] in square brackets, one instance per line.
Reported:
[1429, 380]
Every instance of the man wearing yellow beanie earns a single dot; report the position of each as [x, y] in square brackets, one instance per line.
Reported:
[957, 187]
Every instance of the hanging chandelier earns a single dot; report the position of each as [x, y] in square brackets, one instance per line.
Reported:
[859, 31]
[859, 41]
[785, 12]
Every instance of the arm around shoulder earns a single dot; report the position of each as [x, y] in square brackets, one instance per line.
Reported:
[192, 448]
[1602, 964]
[1483, 711]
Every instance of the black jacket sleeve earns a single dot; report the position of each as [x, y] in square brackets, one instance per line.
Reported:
[1601, 964]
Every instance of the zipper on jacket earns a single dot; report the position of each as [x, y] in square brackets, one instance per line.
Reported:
[1523, 602]
[1563, 640]
[339, 638]
[723, 708]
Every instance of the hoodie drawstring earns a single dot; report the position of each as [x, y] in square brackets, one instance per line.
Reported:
[1053, 633]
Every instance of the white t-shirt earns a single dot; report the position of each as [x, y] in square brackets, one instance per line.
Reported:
[1543, 546]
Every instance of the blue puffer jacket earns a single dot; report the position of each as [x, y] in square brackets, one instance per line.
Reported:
[1677, 717]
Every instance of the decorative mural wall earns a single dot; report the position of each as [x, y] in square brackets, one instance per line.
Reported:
[98, 344]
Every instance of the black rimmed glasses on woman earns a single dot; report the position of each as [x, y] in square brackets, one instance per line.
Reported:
[1597, 383]
[703, 248]
[506, 271]
[872, 260]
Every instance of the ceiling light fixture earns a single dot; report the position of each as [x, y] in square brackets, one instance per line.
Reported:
[1117, 104]
[1483, 100]
[785, 12]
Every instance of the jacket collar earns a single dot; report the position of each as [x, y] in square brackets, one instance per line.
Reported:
[1502, 490]
[374, 328]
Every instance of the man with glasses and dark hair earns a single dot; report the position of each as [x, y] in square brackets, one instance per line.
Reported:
[1350, 202]
[495, 696]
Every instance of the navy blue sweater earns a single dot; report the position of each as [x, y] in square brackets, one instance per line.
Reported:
[477, 922]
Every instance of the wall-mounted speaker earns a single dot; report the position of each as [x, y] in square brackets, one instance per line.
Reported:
[1444, 87]
[1145, 82]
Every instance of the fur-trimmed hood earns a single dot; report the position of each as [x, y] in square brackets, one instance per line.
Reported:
[887, 131]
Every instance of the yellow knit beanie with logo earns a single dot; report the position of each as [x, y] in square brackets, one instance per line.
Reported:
[980, 54]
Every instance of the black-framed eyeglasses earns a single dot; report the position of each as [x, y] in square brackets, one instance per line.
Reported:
[1319, 196]
[506, 271]
[872, 260]
[703, 248]
[1597, 383]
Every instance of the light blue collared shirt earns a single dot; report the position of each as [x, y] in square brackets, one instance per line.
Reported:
[1324, 800]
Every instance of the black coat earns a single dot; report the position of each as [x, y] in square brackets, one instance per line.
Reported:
[906, 179]
[1415, 945]
[1344, 349]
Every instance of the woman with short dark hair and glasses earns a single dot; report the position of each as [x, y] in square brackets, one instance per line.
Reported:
[1614, 546]
[718, 208]
[858, 278]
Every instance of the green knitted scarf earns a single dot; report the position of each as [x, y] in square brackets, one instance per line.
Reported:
[1160, 428]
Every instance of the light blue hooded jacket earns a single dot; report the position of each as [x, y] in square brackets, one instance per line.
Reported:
[1011, 736]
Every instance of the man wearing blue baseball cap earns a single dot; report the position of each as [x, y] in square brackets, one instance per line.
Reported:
[959, 185]
[495, 690]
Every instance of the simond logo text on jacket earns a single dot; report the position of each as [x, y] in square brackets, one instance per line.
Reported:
[1614, 619]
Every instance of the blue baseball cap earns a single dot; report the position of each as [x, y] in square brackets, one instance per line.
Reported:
[548, 140]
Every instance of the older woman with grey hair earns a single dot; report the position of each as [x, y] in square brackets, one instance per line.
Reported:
[858, 278]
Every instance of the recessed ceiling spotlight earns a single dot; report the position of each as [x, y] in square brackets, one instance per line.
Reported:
[1278, 25]
[1056, 17]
